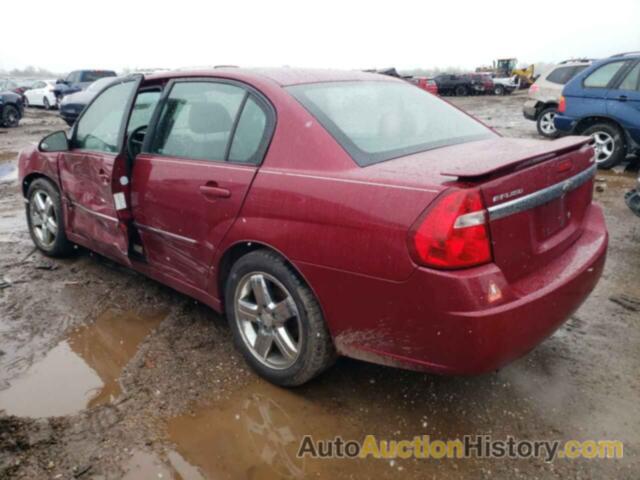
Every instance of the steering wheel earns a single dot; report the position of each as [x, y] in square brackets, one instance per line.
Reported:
[135, 141]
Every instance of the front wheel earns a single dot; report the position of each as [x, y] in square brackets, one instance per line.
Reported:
[545, 124]
[498, 90]
[10, 116]
[276, 320]
[609, 144]
[45, 219]
[45, 102]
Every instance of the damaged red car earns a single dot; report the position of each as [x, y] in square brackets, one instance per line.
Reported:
[327, 213]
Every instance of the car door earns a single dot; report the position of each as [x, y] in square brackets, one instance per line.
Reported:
[596, 87]
[90, 176]
[198, 162]
[623, 101]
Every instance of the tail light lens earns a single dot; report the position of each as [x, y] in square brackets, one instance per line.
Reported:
[453, 233]
[562, 105]
[533, 89]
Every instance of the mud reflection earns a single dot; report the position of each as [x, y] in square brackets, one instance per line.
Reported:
[83, 370]
[256, 433]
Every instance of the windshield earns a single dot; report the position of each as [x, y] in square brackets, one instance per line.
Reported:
[377, 121]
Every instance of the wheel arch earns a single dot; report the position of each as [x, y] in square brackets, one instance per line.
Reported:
[240, 248]
[29, 179]
[586, 122]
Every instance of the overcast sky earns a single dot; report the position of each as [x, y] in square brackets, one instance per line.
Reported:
[74, 34]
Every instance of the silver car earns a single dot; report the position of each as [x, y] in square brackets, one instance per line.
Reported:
[545, 93]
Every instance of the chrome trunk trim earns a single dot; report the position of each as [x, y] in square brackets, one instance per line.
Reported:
[541, 197]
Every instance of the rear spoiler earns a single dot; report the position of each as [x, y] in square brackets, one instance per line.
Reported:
[500, 156]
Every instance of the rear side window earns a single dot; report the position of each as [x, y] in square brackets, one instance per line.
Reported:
[632, 80]
[249, 134]
[197, 120]
[601, 77]
[376, 121]
[562, 75]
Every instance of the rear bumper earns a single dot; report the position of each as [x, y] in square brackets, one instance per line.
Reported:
[443, 322]
[530, 110]
[565, 123]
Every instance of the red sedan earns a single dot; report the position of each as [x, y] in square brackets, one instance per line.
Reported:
[427, 84]
[327, 213]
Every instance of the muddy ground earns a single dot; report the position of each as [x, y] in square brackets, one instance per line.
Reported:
[106, 374]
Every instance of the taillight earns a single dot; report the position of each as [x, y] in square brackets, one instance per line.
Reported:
[562, 105]
[533, 89]
[453, 233]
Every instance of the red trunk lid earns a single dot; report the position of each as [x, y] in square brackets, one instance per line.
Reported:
[536, 205]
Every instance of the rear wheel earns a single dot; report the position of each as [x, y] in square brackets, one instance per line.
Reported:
[545, 124]
[45, 220]
[10, 116]
[461, 91]
[609, 144]
[276, 320]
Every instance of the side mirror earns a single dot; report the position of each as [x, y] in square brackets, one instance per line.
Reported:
[54, 142]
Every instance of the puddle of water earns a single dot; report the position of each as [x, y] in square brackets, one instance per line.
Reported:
[83, 370]
[256, 433]
[8, 172]
[144, 464]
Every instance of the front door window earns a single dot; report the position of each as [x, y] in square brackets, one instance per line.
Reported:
[99, 129]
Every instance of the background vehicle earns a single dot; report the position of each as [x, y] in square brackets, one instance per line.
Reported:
[11, 109]
[481, 83]
[505, 68]
[72, 105]
[459, 85]
[206, 181]
[41, 94]
[79, 80]
[427, 84]
[9, 85]
[632, 199]
[504, 85]
[603, 101]
[545, 93]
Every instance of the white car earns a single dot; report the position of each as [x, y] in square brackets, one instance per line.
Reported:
[41, 94]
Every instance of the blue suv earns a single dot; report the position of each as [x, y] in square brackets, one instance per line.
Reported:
[603, 101]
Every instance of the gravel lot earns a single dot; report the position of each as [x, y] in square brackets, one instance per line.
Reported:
[105, 374]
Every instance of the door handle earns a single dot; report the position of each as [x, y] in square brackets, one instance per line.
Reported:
[212, 190]
[622, 98]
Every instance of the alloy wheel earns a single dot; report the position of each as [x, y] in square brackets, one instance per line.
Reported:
[268, 320]
[546, 123]
[43, 218]
[604, 145]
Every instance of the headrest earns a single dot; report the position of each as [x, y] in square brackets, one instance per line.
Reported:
[209, 117]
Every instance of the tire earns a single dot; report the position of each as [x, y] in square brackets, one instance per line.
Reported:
[265, 271]
[45, 102]
[53, 243]
[10, 116]
[26, 102]
[461, 91]
[544, 123]
[498, 90]
[609, 144]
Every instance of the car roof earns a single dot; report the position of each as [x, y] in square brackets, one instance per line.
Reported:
[282, 76]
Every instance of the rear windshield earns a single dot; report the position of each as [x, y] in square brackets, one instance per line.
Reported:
[94, 75]
[377, 121]
[563, 74]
